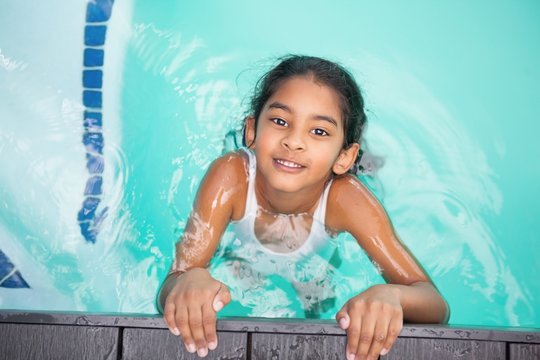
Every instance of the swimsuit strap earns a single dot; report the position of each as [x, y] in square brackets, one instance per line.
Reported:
[320, 213]
[251, 200]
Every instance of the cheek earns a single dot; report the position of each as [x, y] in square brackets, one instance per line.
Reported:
[265, 138]
[334, 156]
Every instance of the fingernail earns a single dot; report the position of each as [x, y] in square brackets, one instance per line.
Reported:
[350, 356]
[343, 323]
[202, 352]
[212, 345]
[191, 348]
[384, 351]
[175, 331]
[218, 306]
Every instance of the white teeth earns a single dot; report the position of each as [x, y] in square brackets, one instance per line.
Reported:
[288, 163]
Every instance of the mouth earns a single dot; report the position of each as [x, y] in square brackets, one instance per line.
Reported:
[289, 165]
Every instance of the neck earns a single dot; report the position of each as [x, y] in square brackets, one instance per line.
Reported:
[281, 202]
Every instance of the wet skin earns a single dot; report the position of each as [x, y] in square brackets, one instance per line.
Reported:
[298, 145]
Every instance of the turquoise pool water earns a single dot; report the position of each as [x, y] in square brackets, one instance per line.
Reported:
[89, 216]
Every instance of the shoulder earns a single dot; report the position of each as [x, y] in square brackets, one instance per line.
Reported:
[233, 163]
[349, 189]
[226, 181]
[349, 203]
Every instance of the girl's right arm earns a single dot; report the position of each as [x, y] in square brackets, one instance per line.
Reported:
[189, 297]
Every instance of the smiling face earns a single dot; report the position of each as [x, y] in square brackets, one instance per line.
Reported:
[299, 138]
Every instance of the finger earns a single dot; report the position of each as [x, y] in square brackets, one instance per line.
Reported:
[379, 336]
[182, 322]
[222, 298]
[353, 334]
[396, 324]
[197, 330]
[209, 324]
[168, 317]
[343, 319]
[366, 336]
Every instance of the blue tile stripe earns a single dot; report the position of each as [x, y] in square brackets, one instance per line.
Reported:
[94, 35]
[93, 79]
[10, 277]
[93, 57]
[98, 13]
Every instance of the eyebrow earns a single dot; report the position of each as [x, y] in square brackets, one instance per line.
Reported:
[278, 105]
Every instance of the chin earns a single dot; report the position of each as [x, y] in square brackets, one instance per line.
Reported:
[288, 188]
[286, 185]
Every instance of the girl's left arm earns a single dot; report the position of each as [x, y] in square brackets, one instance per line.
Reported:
[374, 318]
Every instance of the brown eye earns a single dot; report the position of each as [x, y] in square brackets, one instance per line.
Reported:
[279, 122]
[319, 132]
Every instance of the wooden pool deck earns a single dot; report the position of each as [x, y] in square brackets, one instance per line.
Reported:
[42, 335]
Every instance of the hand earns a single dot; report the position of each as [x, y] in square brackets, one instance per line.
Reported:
[191, 307]
[373, 320]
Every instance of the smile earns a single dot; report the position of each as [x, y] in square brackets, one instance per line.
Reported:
[289, 164]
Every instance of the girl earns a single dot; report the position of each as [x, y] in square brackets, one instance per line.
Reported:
[286, 196]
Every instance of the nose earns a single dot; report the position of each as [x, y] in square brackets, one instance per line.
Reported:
[293, 141]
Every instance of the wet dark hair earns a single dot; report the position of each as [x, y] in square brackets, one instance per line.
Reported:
[326, 73]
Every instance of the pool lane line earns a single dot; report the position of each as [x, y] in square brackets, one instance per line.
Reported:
[98, 13]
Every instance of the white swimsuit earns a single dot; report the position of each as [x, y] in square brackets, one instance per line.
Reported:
[253, 265]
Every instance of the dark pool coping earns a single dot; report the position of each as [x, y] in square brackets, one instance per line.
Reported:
[267, 325]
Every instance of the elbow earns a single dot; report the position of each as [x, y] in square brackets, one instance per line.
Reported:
[441, 309]
[436, 308]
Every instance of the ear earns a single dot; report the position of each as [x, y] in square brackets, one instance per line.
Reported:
[346, 159]
[249, 132]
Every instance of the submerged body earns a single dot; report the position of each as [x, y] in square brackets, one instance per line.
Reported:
[299, 138]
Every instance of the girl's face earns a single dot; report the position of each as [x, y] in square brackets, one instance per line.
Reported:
[300, 136]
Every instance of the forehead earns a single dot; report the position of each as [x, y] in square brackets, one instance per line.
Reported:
[305, 95]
